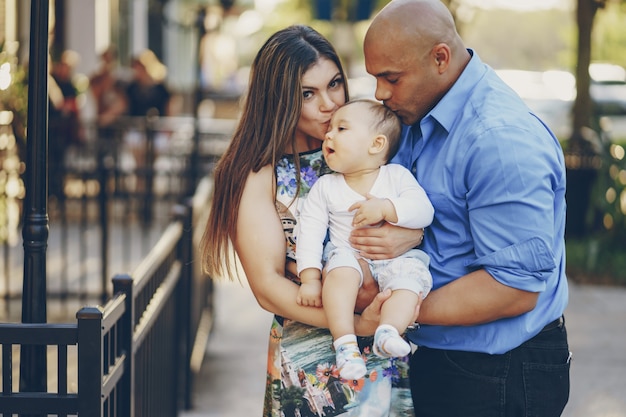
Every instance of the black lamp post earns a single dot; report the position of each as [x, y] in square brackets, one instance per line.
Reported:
[33, 374]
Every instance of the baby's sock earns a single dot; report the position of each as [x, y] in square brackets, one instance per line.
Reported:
[349, 360]
[388, 343]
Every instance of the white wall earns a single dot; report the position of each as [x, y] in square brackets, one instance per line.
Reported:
[80, 33]
[180, 48]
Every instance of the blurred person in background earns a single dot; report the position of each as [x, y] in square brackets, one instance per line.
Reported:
[147, 96]
[147, 93]
[108, 94]
[64, 119]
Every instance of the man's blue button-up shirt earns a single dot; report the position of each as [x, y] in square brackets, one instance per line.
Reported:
[496, 177]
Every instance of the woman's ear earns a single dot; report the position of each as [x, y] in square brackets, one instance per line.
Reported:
[379, 144]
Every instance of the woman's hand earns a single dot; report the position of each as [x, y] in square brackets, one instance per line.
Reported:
[385, 242]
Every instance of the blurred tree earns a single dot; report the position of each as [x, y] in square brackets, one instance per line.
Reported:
[14, 93]
[581, 154]
[582, 112]
[456, 8]
[584, 149]
[536, 40]
[609, 36]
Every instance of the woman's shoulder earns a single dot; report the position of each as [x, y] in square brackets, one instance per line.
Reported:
[265, 176]
[259, 186]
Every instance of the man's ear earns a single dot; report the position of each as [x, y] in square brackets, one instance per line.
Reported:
[441, 55]
[379, 144]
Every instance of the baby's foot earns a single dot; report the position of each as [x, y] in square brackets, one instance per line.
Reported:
[388, 343]
[349, 360]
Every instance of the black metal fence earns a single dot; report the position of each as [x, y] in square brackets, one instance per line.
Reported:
[134, 356]
[110, 197]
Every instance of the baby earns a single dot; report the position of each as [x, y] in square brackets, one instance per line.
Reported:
[363, 192]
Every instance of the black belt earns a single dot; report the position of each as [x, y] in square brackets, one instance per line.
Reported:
[558, 323]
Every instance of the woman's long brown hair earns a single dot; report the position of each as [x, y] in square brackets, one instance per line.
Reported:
[266, 128]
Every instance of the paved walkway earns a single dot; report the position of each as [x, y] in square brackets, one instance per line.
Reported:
[232, 378]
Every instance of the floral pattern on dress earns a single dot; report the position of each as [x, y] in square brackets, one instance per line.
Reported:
[302, 377]
[288, 205]
[312, 166]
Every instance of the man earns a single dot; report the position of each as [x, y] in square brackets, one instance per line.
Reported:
[492, 340]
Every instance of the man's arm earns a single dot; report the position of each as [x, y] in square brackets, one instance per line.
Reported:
[474, 299]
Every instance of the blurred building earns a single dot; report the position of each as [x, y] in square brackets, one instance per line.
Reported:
[206, 45]
[169, 28]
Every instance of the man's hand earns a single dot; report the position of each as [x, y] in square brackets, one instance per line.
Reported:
[386, 241]
[368, 290]
[367, 322]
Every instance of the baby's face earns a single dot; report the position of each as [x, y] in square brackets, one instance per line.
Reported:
[348, 140]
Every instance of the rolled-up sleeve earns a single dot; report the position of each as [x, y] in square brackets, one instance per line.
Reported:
[510, 199]
[525, 265]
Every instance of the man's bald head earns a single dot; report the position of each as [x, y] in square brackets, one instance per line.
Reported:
[415, 23]
[413, 50]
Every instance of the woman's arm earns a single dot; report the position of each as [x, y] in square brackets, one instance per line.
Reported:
[260, 245]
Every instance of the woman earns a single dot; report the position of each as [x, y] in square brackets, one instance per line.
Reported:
[296, 83]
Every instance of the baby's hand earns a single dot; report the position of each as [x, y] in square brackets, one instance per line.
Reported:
[372, 211]
[310, 294]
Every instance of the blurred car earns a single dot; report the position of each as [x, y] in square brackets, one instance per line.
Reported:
[608, 89]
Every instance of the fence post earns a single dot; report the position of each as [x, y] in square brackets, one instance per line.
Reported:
[183, 212]
[148, 169]
[104, 166]
[90, 367]
[124, 283]
[194, 158]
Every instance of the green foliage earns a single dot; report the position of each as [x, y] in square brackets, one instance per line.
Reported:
[609, 37]
[596, 260]
[609, 197]
[15, 97]
[545, 39]
[534, 40]
[539, 40]
[599, 257]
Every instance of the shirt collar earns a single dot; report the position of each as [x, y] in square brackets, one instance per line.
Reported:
[452, 103]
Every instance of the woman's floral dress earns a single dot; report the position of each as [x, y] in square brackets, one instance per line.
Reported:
[302, 379]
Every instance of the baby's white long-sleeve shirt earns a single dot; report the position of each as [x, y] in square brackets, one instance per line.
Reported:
[326, 207]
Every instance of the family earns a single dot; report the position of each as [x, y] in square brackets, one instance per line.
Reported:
[410, 248]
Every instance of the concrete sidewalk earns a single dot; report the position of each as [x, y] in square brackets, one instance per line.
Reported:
[232, 378]
[596, 324]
